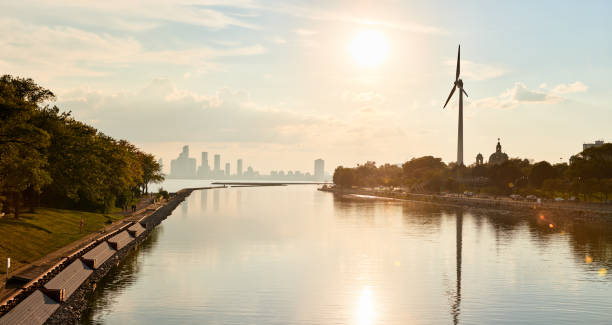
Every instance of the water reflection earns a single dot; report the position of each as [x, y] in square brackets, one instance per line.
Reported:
[216, 200]
[456, 306]
[293, 255]
[118, 279]
[203, 199]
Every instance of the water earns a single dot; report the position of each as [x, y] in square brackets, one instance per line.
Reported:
[294, 255]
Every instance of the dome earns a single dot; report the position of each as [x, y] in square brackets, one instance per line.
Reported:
[498, 157]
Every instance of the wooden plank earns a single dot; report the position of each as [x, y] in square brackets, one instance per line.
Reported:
[136, 230]
[35, 309]
[98, 255]
[70, 279]
[120, 240]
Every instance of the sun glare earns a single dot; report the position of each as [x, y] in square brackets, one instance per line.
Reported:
[369, 48]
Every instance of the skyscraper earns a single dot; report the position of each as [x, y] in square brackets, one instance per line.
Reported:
[217, 163]
[239, 167]
[227, 169]
[204, 169]
[183, 166]
[319, 169]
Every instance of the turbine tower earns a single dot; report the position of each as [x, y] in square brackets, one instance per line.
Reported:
[458, 83]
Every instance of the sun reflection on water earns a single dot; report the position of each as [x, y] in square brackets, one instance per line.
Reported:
[365, 308]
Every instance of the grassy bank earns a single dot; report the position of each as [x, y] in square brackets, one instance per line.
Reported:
[35, 235]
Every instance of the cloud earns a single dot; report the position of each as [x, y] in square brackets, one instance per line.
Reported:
[32, 50]
[477, 71]
[520, 94]
[278, 40]
[161, 112]
[574, 87]
[305, 32]
[139, 15]
[344, 17]
[365, 97]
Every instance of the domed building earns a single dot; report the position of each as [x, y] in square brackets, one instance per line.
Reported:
[498, 157]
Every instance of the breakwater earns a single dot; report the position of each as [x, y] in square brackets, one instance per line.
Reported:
[58, 295]
[574, 210]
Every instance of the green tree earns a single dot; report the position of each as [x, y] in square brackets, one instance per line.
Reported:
[22, 160]
[151, 171]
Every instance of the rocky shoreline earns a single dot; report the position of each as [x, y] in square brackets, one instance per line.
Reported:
[72, 310]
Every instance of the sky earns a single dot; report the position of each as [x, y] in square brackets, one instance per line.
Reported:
[280, 84]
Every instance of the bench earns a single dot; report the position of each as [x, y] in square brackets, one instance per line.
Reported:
[97, 256]
[136, 230]
[35, 309]
[120, 240]
[68, 281]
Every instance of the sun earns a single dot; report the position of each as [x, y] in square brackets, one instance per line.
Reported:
[369, 48]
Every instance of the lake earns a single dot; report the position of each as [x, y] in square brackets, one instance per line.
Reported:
[295, 255]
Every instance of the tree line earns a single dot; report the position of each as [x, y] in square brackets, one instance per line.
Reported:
[588, 176]
[49, 158]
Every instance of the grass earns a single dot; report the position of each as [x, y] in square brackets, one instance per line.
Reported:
[34, 235]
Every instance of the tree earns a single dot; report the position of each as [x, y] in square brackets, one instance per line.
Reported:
[506, 175]
[151, 171]
[47, 155]
[22, 160]
[540, 172]
[344, 177]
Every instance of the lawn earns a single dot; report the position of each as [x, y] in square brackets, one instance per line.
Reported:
[35, 235]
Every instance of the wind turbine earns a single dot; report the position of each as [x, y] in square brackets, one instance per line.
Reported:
[458, 83]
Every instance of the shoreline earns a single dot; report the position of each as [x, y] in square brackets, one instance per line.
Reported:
[70, 310]
[569, 210]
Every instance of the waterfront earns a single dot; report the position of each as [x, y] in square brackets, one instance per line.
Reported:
[294, 255]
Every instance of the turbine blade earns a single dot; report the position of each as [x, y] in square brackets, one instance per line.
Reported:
[458, 69]
[464, 92]
[449, 96]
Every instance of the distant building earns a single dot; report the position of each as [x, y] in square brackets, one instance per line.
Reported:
[227, 169]
[239, 167]
[183, 166]
[319, 169]
[217, 163]
[204, 169]
[598, 143]
[498, 157]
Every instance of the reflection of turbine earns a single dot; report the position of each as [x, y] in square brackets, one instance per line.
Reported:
[455, 308]
[458, 83]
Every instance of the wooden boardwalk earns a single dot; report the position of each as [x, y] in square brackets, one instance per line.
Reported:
[35, 309]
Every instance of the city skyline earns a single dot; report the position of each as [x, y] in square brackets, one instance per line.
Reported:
[184, 166]
[299, 80]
